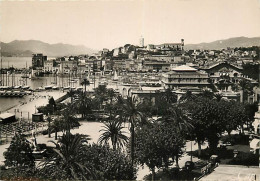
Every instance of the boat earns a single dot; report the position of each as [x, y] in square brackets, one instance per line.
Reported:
[55, 88]
[17, 87]
[40, 89]
[66, 88]
[48, 87]
[25, 87]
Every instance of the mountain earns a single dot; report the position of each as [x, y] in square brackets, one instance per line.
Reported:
[27, 47]
[223, 44]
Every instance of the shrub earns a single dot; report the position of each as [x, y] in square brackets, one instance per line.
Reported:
[248, 159]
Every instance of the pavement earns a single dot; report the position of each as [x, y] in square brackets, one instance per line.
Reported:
[234, 173]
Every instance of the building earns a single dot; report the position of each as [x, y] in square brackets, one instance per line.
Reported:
[38, 61]
[185, 76]
[68, 67]
[48, 66]
[38, 64]
[171, 46]
[224, 75]
[7, 118]
[156, 66]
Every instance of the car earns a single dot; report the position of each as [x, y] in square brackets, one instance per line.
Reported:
[214, 159]
[226, 144]
[189, 165]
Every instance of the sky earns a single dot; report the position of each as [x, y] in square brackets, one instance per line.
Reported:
[113, 23]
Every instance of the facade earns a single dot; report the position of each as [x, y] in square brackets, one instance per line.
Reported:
[185, 76]
[48, 66]
[224, 75]
[68, 67]
[156, 66]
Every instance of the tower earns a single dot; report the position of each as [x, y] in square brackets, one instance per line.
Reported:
[141, 43]
[182, 44]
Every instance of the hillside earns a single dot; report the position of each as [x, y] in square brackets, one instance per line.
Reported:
[27, 47]
[223, 44]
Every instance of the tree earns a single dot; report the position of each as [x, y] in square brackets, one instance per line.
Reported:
[251, 70]
[169, 97]
[85, 83]
[56, 126]
[19, 155]
[67, 159]
[52, 104]
[84, 104]
[246, 87]
[101, 94]
[218, 97]
[113, 131]
[71, 93]
[179, 118]
[131, 113]
[68, 120]
[108, 164]
[188, 96]
[156, 143]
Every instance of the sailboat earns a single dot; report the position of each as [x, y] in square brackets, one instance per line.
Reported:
[25, 73]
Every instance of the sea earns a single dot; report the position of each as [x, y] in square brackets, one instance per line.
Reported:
[19, 63]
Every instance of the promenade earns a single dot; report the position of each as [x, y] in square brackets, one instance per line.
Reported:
[233, 173]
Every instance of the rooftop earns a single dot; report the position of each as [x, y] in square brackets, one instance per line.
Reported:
[184, 68]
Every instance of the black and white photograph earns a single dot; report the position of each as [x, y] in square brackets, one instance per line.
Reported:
[129, 90]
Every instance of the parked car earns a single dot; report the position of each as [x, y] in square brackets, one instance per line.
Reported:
[189, 165]
[214, 159]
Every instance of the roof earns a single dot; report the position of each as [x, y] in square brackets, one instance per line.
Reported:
[255, 143]
[6, 115]
[37, 114]
[184, 68]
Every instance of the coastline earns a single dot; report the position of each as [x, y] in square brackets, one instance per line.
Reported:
[29, 104]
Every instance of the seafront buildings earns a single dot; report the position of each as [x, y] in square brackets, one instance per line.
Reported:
[145, 73]
[176, 68]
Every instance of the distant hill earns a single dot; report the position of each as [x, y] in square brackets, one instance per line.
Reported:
[223, 44]
[27, 47]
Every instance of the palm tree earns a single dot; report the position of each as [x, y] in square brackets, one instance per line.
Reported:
[218, 97]
[67, 159]
[113, 131]
[208, 94]
[68, 119]
[71, 93]
[85, 82]
[84, 104]
[131, 113]
[169, 96]
[111, 94]
[56, 126]
[187, 97]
